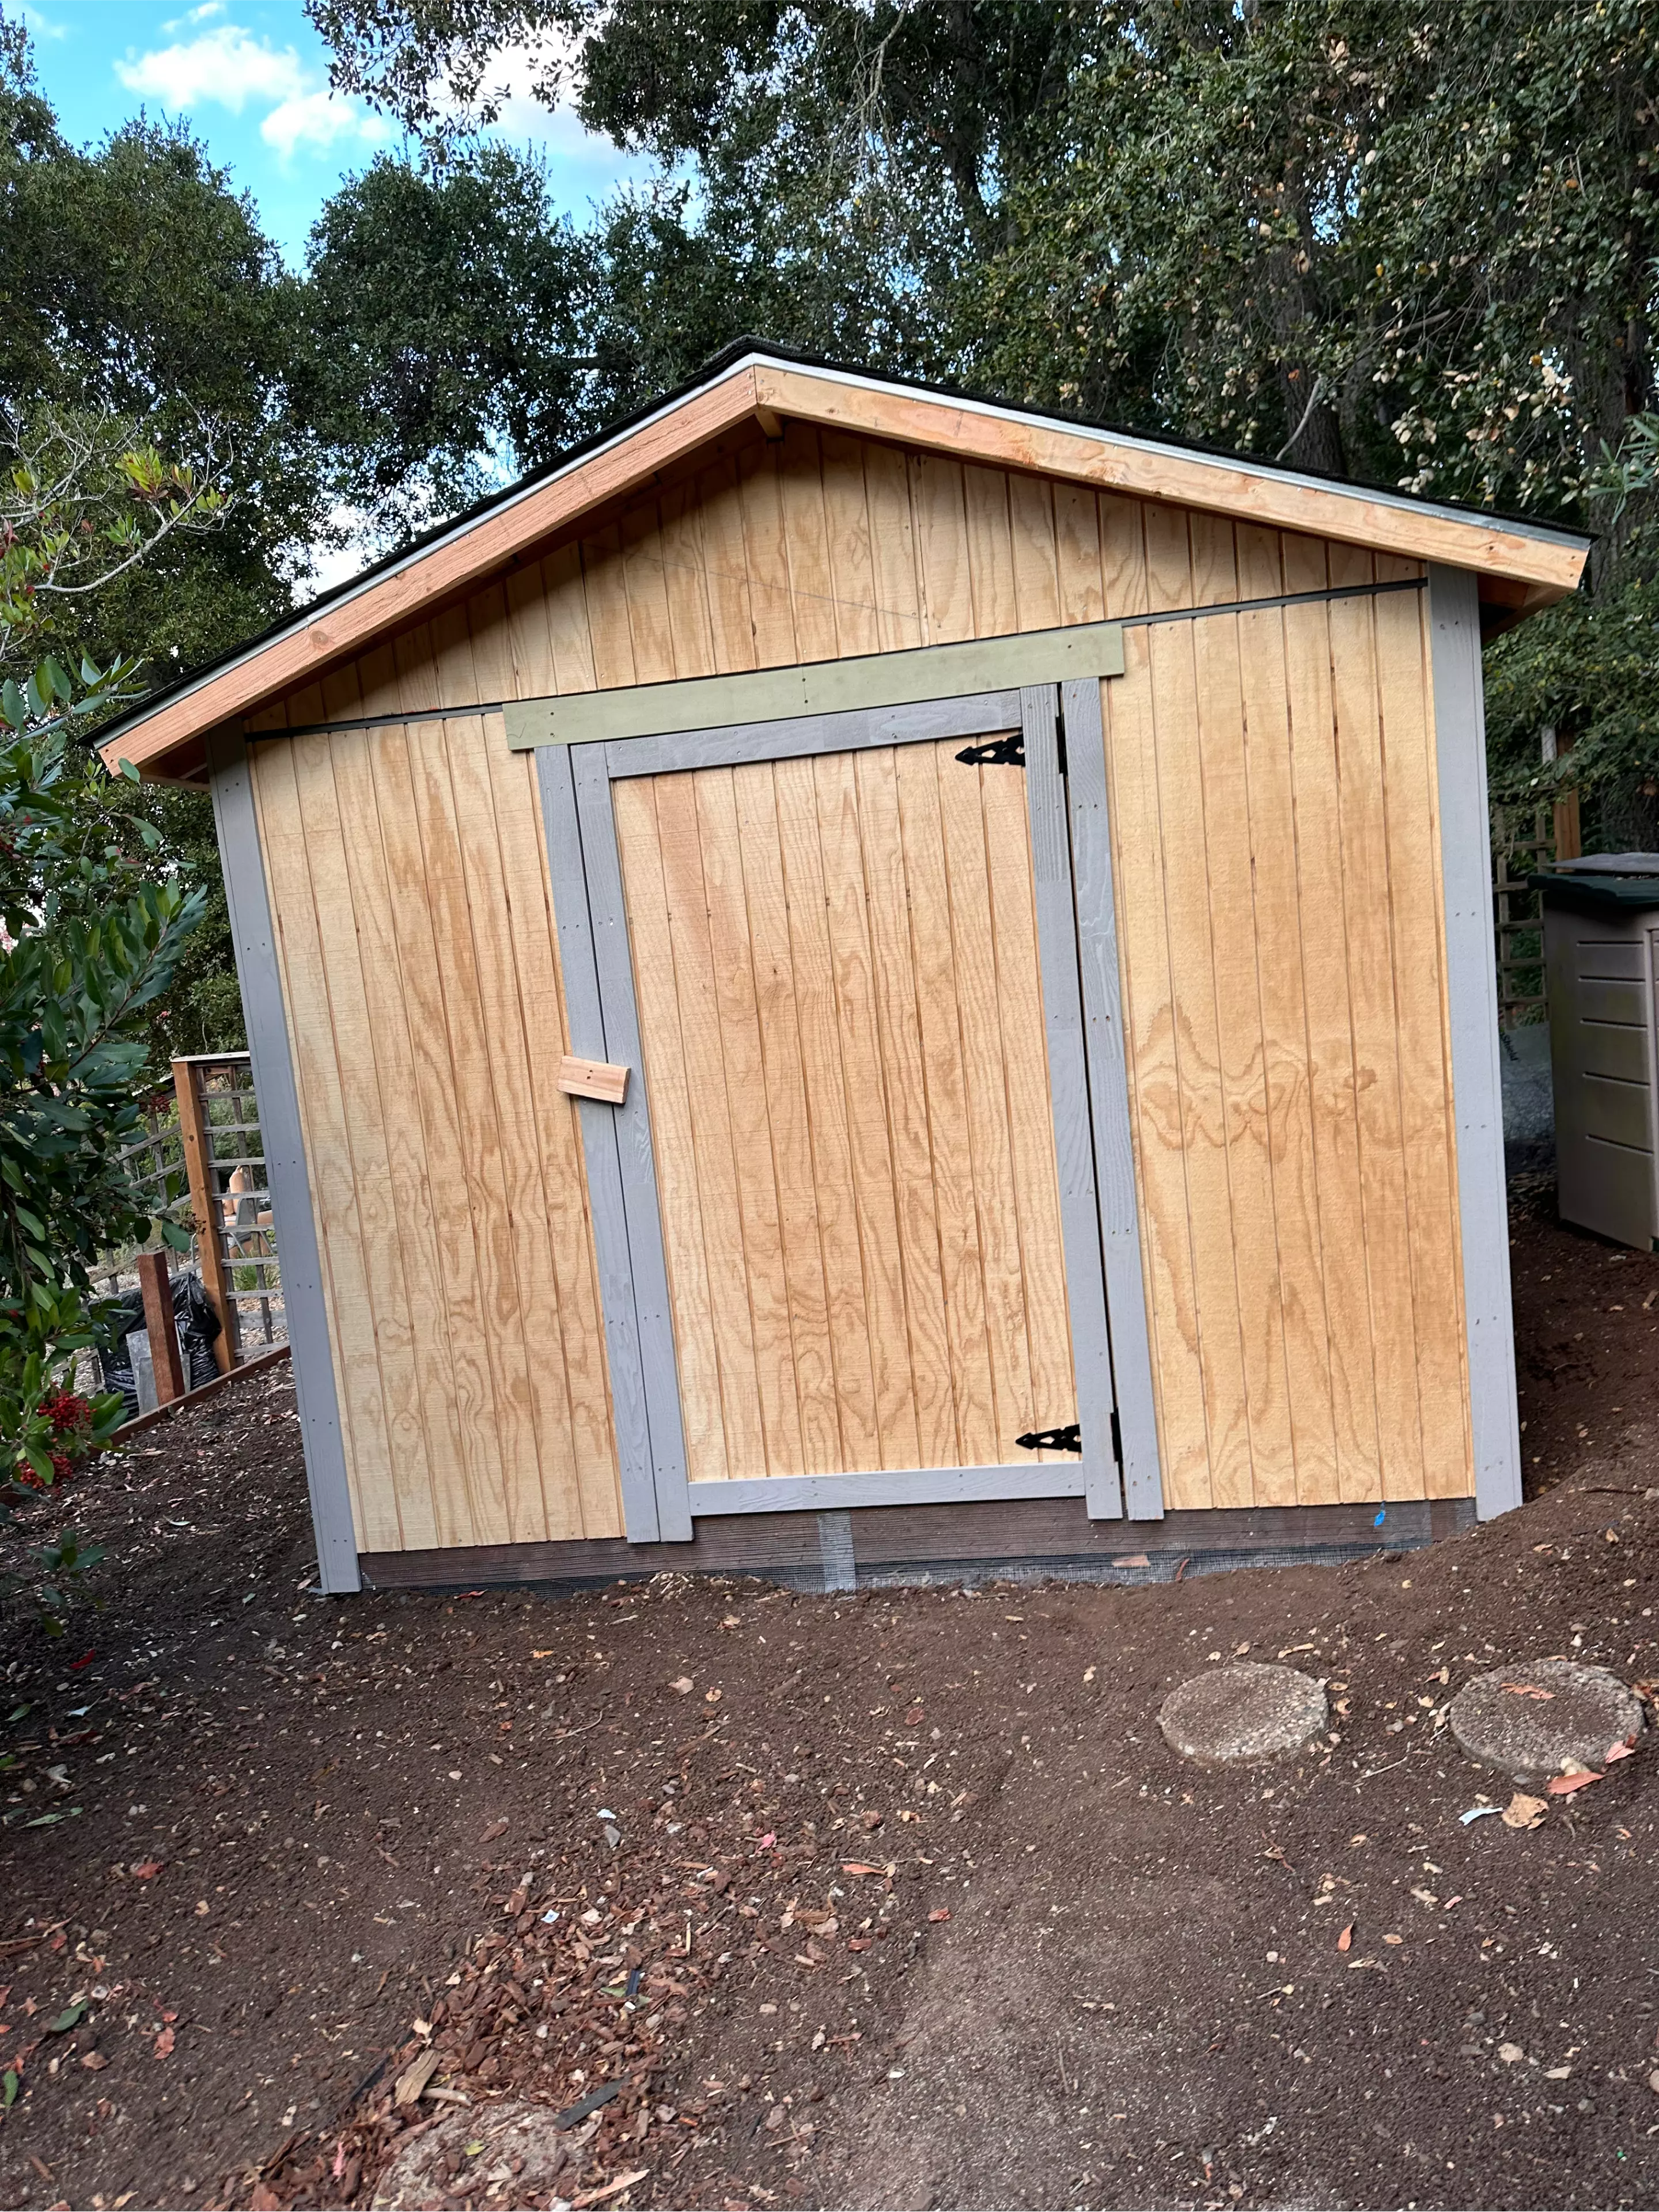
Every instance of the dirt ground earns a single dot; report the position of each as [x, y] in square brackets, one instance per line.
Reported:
[886, 1901]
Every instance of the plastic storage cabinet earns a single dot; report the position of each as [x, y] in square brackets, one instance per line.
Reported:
[1600, 921]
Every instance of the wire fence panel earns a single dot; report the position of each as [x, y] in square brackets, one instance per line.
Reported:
[230, 1210]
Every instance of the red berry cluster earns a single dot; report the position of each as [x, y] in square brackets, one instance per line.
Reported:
[70, 1416]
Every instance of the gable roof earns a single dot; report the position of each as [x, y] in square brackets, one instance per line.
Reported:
[1523, 565]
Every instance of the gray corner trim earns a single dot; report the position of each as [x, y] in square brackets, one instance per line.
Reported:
[612, 962]
[1108, 1083]
[1068, 1083]
[257, 971]
[913, 677]
[835, 1549]
[928, 721]
[925, 1485]
[631, 1425]
[1472, 991]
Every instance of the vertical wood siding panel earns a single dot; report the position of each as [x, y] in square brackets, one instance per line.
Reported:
[806, 536]
[735, 1034]
[1081, 596]
[1279, 931]
[1329, 1030]
[1036, 580]
[568, 632]
[725, 568]
[337, 803]
[812, 958]
[1230, 875]
[841, 844]
[761, 850]
[918, 770]
[899, 1045]
[435, 812]
[1368, 925]
[666, 1075]
[334, 1197]
[689, 896]
[683, 581]
[765, 551]
[852, 575]
[393, 1018]
[605, 590]
[892, 549]
[1428, 1128]
[531, 671]
[990, 552]
[648, 596]
[1177, 710]
[937, 502]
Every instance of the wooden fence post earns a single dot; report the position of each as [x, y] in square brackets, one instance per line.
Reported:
[206, 1207]
[164, 1357]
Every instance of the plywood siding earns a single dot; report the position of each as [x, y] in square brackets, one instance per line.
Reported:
[841, 1013]
[1273, 792]
[409, 887]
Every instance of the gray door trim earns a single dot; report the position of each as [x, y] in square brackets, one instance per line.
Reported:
[592, 769]
[248, 899]
[641, 1519]
[644, 1257]
[1471, 993]
[1068, 1090]
[1108, 1085]
[926, 1486]
[928, 721]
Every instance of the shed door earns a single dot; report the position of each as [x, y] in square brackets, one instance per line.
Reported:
[857, 1174]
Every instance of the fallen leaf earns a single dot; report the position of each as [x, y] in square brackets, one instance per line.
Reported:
[1345, 1940]
[1524, 1812]
[682, 1686]
[857, 1866]
[1527, 1690]
[943, 1913]
[94, 2061]
[547, 1654]
[711, 1697]
[415, 2078]
[1561, 1785]
[163, 2045]
[1627, 1750]
[913, 1715]
[69, 2017]
[146, 1870]
[495, 1828]
[1393, 1939]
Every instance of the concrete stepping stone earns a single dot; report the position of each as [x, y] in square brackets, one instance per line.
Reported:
[1243, 1714]
[1544, 1716]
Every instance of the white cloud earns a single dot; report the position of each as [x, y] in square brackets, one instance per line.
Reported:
[230, 68]
[41, 27]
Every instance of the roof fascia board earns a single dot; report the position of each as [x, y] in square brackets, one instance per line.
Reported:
[475, 547]
[1117, 460]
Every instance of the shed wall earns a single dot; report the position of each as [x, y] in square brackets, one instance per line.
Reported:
[1275, 820]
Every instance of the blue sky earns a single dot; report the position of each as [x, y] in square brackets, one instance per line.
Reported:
[252, 81]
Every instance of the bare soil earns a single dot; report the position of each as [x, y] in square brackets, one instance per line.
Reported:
[886, 1901]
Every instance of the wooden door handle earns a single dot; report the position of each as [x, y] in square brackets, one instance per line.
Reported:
[593, 1079]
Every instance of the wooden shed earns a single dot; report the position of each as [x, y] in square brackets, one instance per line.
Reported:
[853, 979]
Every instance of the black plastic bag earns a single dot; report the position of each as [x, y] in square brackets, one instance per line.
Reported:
[198, 1326]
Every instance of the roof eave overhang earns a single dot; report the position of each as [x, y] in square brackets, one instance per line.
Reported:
[1521, 566]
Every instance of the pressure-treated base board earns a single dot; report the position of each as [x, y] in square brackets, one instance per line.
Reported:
[1024, 1539]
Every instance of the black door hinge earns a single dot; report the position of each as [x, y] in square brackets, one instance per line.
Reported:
[1070, 1438]
[995, 752]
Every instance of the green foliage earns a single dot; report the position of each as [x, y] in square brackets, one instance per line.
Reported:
[88, 939]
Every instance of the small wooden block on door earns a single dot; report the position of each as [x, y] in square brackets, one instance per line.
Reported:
[593, 1079]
